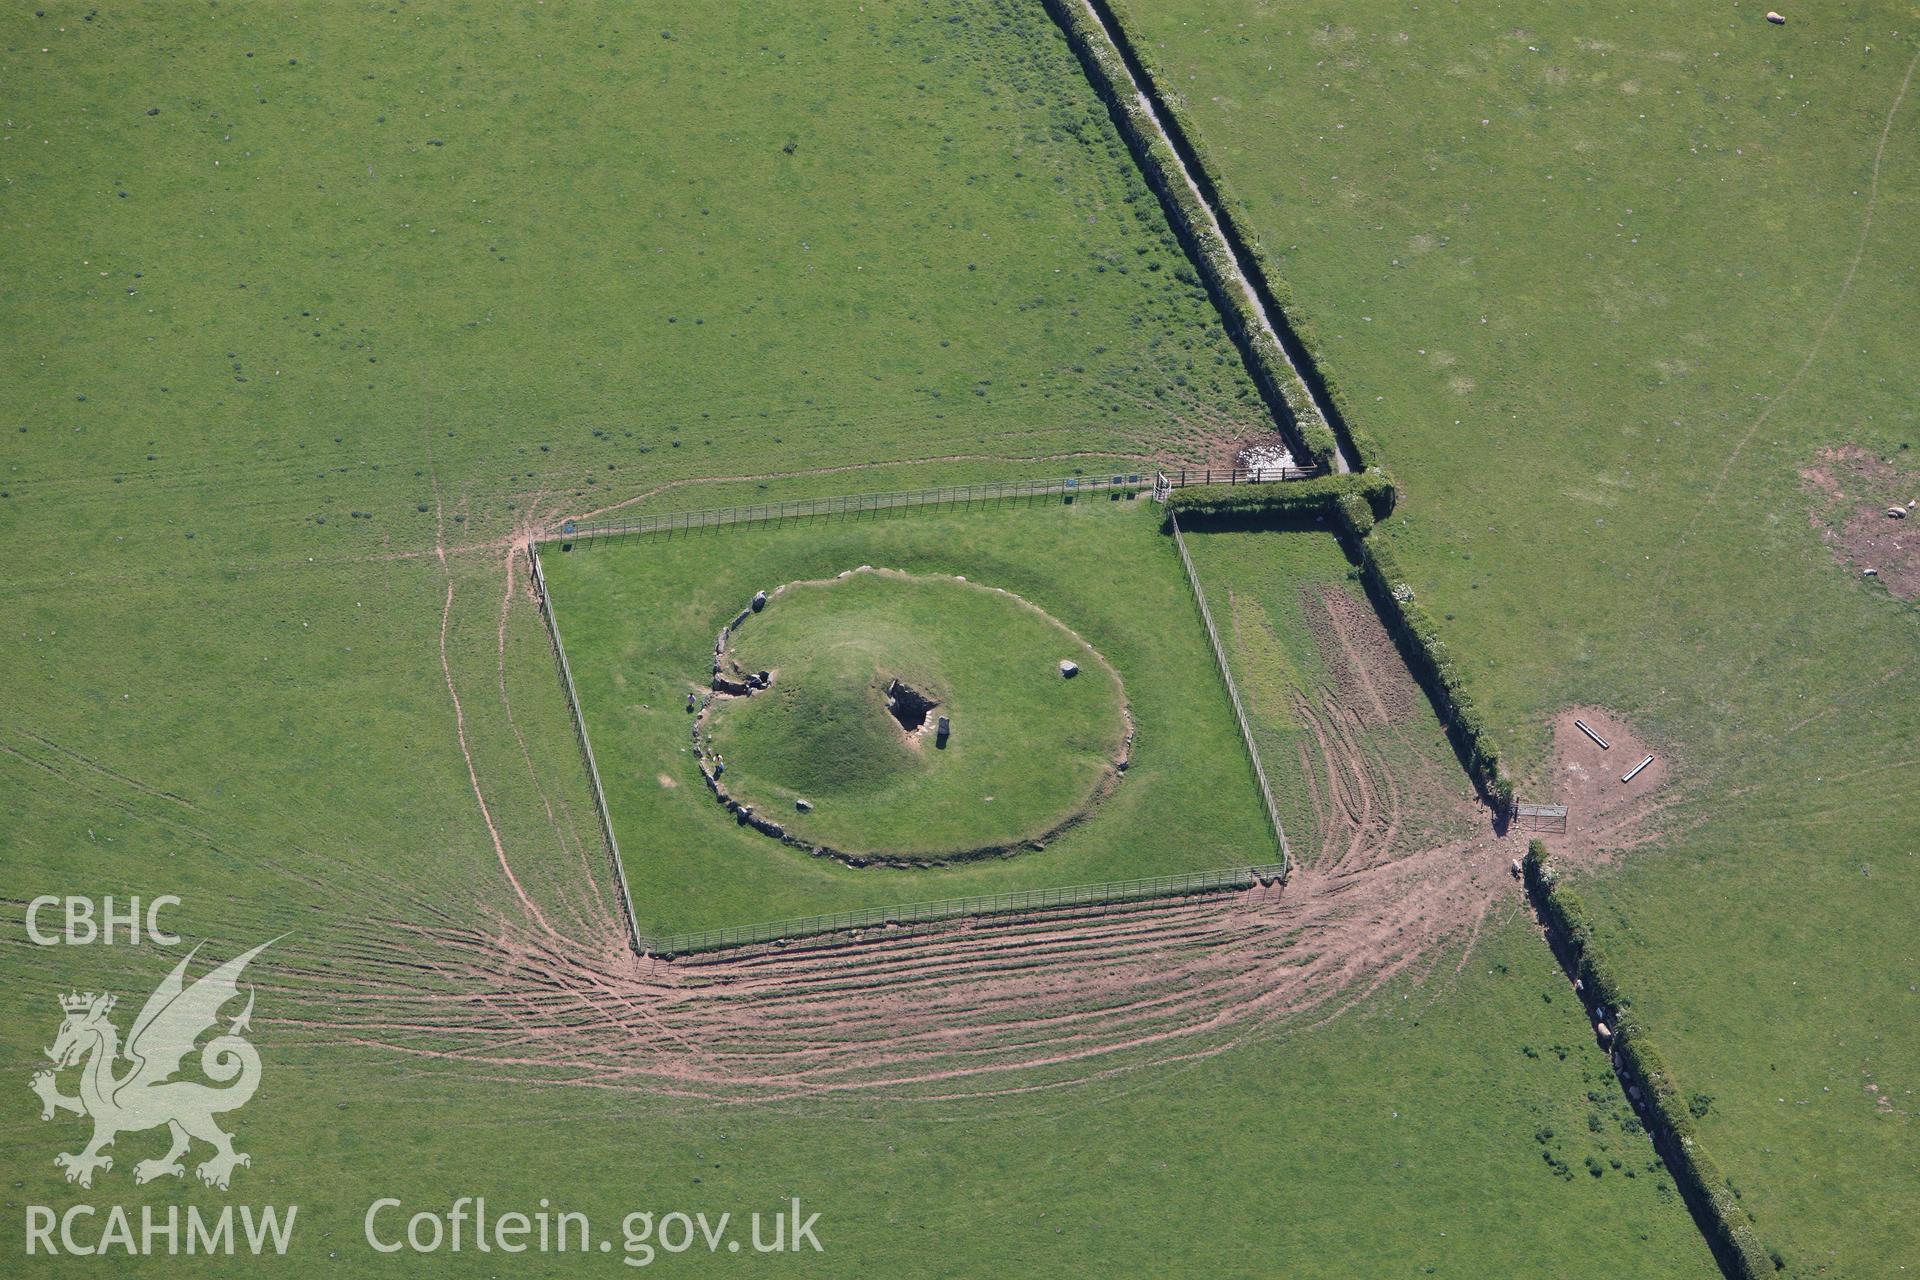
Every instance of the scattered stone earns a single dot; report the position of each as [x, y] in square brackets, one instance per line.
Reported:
[1069, 669]
[724, 684]
[804, 806]
[1869, 573]
[1896, 513]
[1777, 19]
[1264, 461]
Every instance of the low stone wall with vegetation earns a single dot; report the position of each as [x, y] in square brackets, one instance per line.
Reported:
[1668, 1115]
[1204, 506]
[1296, 328]
[1280, 385]
[1351, 505]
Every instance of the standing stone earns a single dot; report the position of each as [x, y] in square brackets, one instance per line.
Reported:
[759, 601]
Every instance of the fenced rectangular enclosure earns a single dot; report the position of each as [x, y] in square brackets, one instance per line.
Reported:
[639, 638]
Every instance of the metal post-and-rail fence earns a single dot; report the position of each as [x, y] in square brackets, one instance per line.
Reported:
[853, 505]
[1233, 693]
[586, 747]
[1110, 893]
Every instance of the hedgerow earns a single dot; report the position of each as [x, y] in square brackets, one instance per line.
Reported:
[1428, 658]
[1282, 307]
[1669, 1116]
[1372, 492]
[1279, 383]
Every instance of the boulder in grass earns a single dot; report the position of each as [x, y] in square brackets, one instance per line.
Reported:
[1896, 513]
[1777, 19]
[1069, 669]
[804, 806]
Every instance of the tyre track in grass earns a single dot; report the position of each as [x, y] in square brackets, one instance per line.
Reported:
[1819, 338]
[972, 1008]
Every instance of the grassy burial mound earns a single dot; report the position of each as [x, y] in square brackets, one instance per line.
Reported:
[842, 748]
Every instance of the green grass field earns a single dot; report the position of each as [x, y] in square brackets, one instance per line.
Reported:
[576, 258]
[638, 618]
[1603, 288]
[312, 309]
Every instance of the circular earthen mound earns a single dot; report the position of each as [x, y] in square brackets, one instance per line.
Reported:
[826, 726]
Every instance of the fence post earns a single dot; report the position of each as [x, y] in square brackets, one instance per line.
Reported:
[586, 746]
[1233, 692]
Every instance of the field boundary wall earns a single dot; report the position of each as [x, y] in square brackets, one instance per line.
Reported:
[1644, 1075]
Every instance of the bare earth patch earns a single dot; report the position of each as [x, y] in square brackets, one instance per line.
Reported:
[1605, 816]
[1373, 679]
[1852, 493]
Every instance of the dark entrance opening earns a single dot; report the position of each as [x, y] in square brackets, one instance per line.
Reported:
[908, 705]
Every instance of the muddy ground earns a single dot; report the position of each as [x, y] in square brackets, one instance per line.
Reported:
[1605, 816]
[1852, 492]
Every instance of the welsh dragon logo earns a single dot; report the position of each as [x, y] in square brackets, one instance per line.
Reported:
[145, 1095]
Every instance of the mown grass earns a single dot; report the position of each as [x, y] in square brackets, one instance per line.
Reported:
[1603, 287]
[638, 618]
